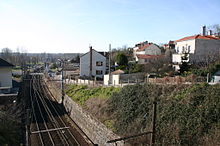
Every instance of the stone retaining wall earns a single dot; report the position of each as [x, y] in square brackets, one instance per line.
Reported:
[94, 129]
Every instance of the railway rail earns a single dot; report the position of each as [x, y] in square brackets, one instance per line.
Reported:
[49, 121]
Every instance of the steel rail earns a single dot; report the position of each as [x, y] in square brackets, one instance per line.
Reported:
[51, 117]
[76, 126]
[34, 115]
[44, 123]
[56, 111]
[46, 91]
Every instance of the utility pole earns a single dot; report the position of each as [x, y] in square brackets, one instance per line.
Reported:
[62, 87]
[109, 64]
[153, 134]
[62, 77]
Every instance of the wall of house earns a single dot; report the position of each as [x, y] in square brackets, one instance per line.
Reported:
[116, 80]
[189, 43]
[5, 77]
[106, 79]
[135, 51]
[206, 50]
[176, 58]
[216, 79]
[85, 64]
[141, 61]
[153, 50]
[201, 50]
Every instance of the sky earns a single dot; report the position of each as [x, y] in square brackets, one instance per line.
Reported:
[71, 26]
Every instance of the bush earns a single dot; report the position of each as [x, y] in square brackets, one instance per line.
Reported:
[187, 115]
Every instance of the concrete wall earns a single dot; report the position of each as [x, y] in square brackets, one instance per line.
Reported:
[106, 79]
[153, 50]
[5, 77]
[116, 80]
[206, 50]
[94, 129]
[85, 64]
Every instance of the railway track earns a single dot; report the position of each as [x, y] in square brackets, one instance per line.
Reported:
[50, 125]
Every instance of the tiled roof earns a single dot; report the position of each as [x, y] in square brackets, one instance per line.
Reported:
[118, 72]
[208, 37]
[4, 63]
[217, 73]
[171, 42]
[143, 56]
[142, 48]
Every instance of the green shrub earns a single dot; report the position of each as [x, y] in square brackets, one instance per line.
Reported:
[186, 115]
[81, 93]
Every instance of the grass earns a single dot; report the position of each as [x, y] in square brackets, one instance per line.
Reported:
[81, 93]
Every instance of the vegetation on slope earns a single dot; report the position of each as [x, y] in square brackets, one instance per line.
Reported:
[9, 130]
[82, 93]
[186, 115]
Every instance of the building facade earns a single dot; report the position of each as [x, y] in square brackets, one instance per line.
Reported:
[197, 49]
[92, 64]
[5, 76]
[146, 52]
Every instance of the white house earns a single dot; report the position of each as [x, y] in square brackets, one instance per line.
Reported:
[92, 64]
[198, 48]
[144, 52]
[216, 78]
[5, 76]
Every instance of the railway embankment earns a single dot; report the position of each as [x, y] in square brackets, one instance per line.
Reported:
[186, 114]
[97, 132]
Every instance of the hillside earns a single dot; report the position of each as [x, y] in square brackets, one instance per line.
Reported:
[186, 115]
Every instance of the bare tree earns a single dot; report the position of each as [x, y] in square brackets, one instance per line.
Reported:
[6, 54]
[215, 29]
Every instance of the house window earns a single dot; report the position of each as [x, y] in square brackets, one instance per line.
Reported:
[177, 49]
[99, 63]
[99, 72]
[188, 48]
[183, 51]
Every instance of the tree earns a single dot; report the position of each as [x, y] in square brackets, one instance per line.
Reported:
[121, 59]
[6, 54]
[215, 29]
[76, 59]
[185, 66]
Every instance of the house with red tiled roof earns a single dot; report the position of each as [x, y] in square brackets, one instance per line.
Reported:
[197, 48]
[145, 52]
[170, 45]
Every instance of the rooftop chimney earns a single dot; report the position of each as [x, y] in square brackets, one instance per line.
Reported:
[210, 32]
[90, 66]
[203, 31]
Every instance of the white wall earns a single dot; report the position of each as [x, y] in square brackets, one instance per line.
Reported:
[216, 79]
[176, 58]
[106, 79]
[5, 77]
[116, 80]
[179, 46]
[200, 49]
[85, 64]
